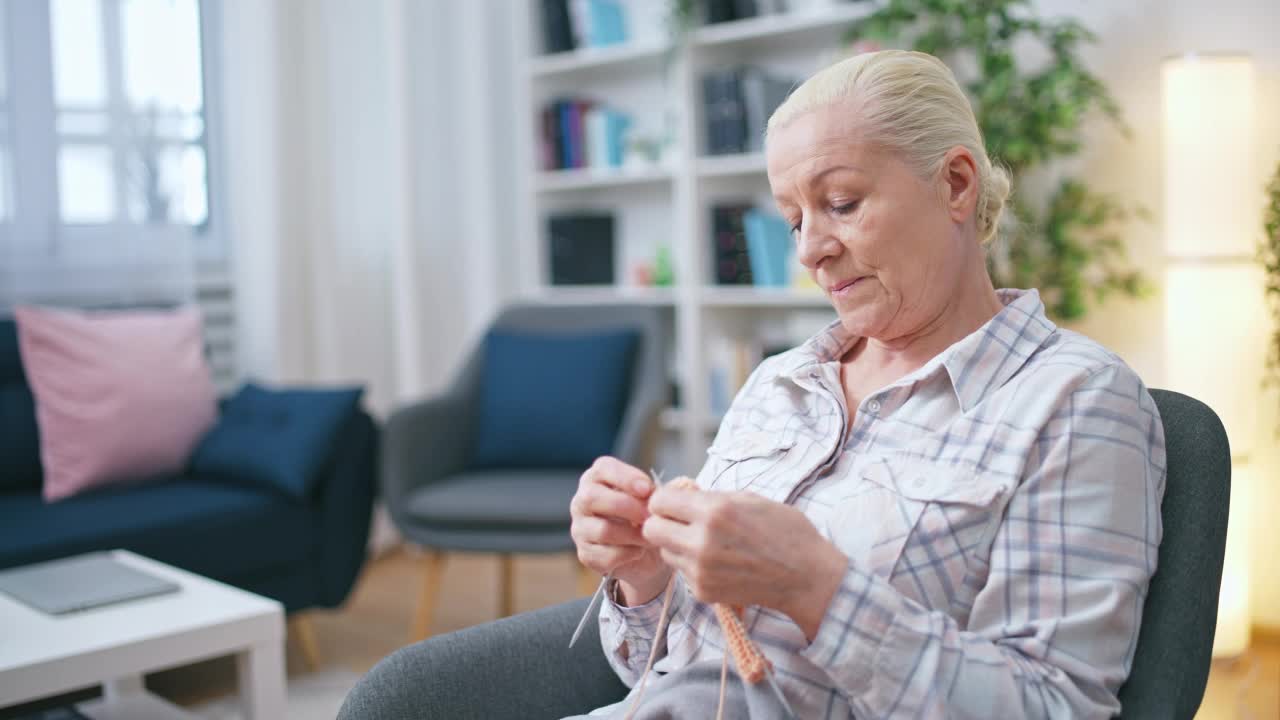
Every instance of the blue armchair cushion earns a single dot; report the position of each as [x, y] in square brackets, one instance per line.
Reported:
[552, 400]
[276, 439]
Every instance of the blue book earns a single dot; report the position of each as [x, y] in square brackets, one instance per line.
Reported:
[768, 248]
[566, 156]
[616, 126]
[605, 23]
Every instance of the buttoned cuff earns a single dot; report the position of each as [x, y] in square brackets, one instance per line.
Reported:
[627, 633]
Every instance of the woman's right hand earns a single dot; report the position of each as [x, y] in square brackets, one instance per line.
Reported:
[608, 510]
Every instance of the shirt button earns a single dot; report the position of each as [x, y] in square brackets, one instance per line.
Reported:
[919, 481]
[874, 406]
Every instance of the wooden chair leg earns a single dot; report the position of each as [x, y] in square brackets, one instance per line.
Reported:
[506, 587]
[588, 581]
[302, 629]
[432, 571]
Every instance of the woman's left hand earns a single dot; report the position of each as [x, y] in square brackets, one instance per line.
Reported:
[741, 549]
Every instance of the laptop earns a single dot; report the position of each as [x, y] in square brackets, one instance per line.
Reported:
[79, 583]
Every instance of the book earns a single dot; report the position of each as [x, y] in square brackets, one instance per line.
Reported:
[768, 248]
[581, 248]
[617, 125]
[719, 11]
[557, 31]
[729, 244]
[548, 152]
[723, 112]
[606, 24]
[762, 93]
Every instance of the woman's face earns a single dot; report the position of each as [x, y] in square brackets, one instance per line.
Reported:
[888, 247]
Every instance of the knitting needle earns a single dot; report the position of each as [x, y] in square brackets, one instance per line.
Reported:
[604, 581]
[773, 684]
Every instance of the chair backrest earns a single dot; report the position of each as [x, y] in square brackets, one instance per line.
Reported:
[650, 381]
[1171, 663]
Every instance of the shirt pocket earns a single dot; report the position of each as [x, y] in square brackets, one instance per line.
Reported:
[747, 459]
[925, 526]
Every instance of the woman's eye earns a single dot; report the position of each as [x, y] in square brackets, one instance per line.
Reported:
[844, 208]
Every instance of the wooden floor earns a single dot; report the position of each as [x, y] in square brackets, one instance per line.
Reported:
[376, 621]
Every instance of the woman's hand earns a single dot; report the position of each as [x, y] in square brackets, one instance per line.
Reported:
[608, 510]
[741, 549]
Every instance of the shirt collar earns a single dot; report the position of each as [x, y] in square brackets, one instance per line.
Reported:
[977, 364]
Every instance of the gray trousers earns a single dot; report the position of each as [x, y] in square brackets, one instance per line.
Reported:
[521, 667]
[517, 667]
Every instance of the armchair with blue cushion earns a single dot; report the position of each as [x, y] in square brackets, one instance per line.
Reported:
[277, 498]
[490, 466]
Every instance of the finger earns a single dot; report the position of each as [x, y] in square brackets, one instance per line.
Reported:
[603, 531]
[684, 506]
[605, 559]
[680, 563]
[671, 535]
[620, 476]
[606, 501]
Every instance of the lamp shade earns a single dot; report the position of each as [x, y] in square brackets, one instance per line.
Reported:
[1212, 196]
[1215, 342]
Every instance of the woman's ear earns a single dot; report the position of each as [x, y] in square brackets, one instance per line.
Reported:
[960, 182]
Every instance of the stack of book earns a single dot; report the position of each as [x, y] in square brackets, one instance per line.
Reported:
[574, 24]
[578, 133]
[737, 103]
[750, 247]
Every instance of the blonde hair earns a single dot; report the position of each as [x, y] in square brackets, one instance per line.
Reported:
[912, 105]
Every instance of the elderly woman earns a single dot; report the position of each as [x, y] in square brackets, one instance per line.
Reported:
[942, 505]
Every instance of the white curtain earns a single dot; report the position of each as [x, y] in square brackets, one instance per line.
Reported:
[363, 175]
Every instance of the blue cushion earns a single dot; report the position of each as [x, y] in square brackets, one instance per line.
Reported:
[207, 527]
[19, 436]
[552, 400]
[275, 439]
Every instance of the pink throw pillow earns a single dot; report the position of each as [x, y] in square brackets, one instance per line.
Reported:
[119, 396]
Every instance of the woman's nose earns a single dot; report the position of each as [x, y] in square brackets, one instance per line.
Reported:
[814, 244]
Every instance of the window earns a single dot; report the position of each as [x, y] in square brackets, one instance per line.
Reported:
[105, 130]
[107, 160]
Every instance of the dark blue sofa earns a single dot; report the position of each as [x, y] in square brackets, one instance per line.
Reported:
[304, 554]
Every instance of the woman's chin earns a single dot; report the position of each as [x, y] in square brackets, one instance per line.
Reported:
[857, 320]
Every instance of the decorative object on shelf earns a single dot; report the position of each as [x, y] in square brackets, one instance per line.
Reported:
[663, 269]
[1067, 244]
[582, 248]
[1215, 309]
[1269, 256]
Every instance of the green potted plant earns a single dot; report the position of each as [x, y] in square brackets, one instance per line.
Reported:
[1067, 244]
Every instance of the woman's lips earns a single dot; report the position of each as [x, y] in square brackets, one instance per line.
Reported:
[845, 285]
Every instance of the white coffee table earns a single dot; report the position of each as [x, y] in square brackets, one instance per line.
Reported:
[113, 646]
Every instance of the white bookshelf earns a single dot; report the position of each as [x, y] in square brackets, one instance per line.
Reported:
[668, 203]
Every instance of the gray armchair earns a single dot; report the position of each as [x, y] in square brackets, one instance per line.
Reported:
[520, 667]
[442, 505]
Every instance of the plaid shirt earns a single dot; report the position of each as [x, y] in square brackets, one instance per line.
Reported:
[1000, 508]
